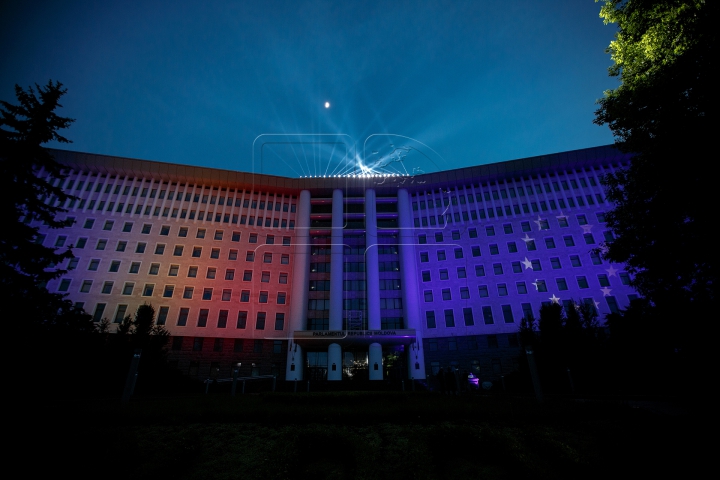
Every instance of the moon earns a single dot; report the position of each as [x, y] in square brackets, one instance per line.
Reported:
[327, 104]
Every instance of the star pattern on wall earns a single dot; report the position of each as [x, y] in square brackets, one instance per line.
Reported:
[527, 263]
[536, 284]
[527, 239]
[562, 215]
[555, 299]
[587, 228]
[597, 304]
[606, 291]
[611, 271]
[539, 222]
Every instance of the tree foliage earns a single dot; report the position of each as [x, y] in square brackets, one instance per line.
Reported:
[663, 112]
[30, 181]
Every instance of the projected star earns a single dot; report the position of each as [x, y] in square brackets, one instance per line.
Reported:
[611, 271]
[527, 263]
[539, 222]
[555, 299]
[587, 228]
[606, 291]
[597, 304]
[527, 239]
[562, 215]
[537, 284]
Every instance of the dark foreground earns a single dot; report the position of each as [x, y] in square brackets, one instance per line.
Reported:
[356, 435]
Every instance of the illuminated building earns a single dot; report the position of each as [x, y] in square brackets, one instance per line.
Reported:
[335, 278]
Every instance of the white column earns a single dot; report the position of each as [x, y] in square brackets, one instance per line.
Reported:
[334, 362]
[336, 262]
[409, 285]
[375, 366]
[299, 296]
[372, 274]
[336, 284]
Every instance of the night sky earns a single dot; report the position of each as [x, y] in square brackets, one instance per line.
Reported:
[196, 82]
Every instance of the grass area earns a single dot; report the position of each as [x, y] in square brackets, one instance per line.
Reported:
[369, 435]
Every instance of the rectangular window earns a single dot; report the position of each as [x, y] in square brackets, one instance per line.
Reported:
[197, 251]
[188, 292]
[168, 292]
[162, 315]
[582, 282]
[207, 294]
[507, 314]
[99, 310]
[468, 317]
[260, 321]
[497, 269]
[203, 318]
[279, 321]
[101, 244]
[476, 251]
[107, 288]
[183, 232]
[494, 249]
[242, 320]
[154, 269]
[603, 279]
[595, 257]
[449, 318]
[428, 296]
[85, 287]
[183, 317]
[430, 319]
[159, 249]
[490, 231]
[487, 315]
[441, 255]
[575, 261]
[140, 247]
[512, 247]
[127, 227]
[479, 270]
[483, 291]
[561, 284]
[226, 294]
[502, 289]
[555, 263]
[549, 242]
[148, 290]
[540, 285]
[521, 288]
[245, 296]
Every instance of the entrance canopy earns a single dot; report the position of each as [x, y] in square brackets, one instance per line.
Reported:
[348, 338]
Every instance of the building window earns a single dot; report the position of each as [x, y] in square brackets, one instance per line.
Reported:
[154, 269]
[182, 318]
[428, 296]
[197, 344]
[521, 288]
[497, 269]
[188, 293]
[98, 313]
[250, 257]
[424, 257]
[159, 249]
[494, 249]
[197, 251]
[283, 278]
[263, 298]
[449, 318]
[183, 232]
[582, 282]
[127, 227]
[165, 230]
[242, 321]
[101, 244]
[207, 294]
[148, 290]
[595, 257]
[121, 245]
[624, 278]
[215, 253]
[487, 315]
[200, 233]
[507, 314]
[218, 235]
[211, 272]
[178, 251]
[604, 281]
[483, 290]
[279, 321]
[226, 294]
[575, 261]
[107, 288]
[168, 292]
[502, 289]
[430, 319]
[162, 315]
[461, 273]
[589, 239]
[561, 284]
[260, 321]
[512, 247]
[245, 296]
[441, 255]
[549, 242]
[192, 272]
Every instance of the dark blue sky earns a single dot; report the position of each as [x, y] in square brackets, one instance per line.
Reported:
[197, 82]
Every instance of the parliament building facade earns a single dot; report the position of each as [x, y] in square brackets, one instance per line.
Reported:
[333, 279]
